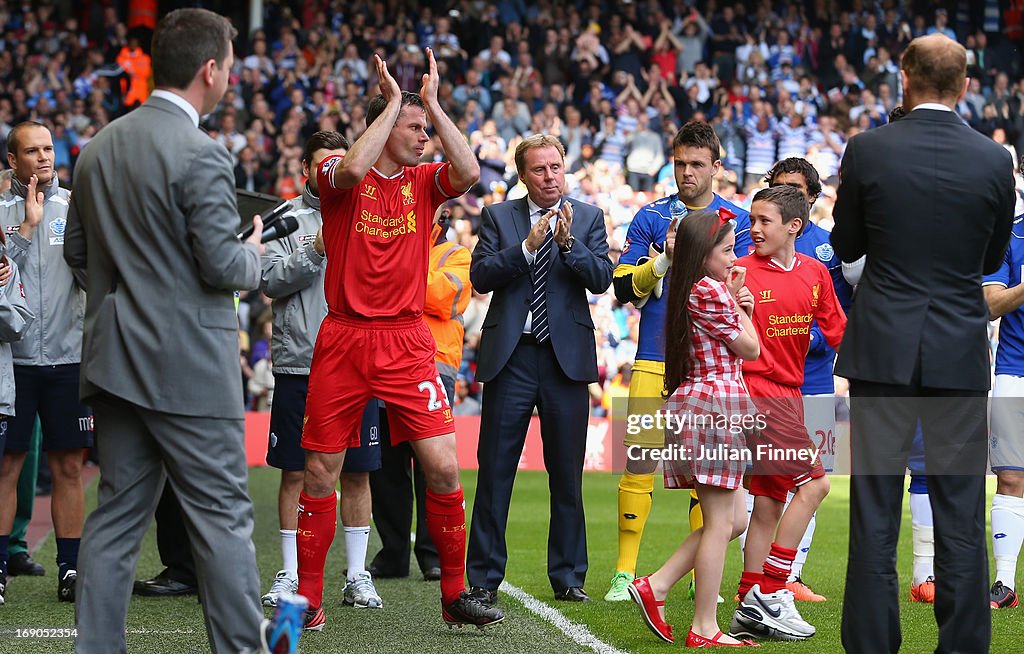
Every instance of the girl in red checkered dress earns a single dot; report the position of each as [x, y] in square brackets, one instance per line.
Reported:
[708, 334]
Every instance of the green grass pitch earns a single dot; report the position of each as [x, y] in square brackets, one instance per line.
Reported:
[410, 621]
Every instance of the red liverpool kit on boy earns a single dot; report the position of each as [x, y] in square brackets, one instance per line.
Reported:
[786, 302]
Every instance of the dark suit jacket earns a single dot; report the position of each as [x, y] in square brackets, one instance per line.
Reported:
[499, 266]
[152, 219]
[930, 202]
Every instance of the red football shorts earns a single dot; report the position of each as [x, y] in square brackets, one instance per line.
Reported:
[781, 451]
[355, 360]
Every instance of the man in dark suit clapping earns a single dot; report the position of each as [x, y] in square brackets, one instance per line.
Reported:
[930, 202]
[539, 255]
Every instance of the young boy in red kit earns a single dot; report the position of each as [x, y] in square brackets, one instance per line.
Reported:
[790, 291]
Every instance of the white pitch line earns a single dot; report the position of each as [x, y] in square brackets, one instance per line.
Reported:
[577, 632]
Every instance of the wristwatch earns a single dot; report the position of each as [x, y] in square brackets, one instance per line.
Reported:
[568, 244]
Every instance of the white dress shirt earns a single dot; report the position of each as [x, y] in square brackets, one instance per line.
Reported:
[536, 212]
[181, 102]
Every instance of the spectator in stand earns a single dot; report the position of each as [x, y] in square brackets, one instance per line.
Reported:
[760, 130]
[473, 89]
[229, 137]
[351, 60]
[646, 155]
[869, 106]
[730, 133]
[704, 80]
[511, 115]
[793, 135]
[827, 147]
[973, 102]
[782, 52]
[941, 24]
[692, 32]
[495, 57]
[667, 50]
[610, 144]
[555, 60]
[629, 46]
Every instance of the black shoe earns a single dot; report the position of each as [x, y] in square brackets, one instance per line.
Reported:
[3, 588]
[163, 586]
[382, 572]
[484, 596]
[21, 564]
[571, 594]
[469, 610]
[66, 586]
[432, 574]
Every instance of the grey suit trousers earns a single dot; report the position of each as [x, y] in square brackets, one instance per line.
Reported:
[204, 461]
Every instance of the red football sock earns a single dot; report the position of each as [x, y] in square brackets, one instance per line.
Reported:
[777, 568]
[747, 580]
[318, 520]
[446, 522]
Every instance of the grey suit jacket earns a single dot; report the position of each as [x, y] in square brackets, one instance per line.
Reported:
[152, 220]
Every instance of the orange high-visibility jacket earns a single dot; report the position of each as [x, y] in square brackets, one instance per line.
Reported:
[138, 66]
[448, 295]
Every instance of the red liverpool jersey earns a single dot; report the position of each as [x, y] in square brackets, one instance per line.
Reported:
[377, 239]
[785, 304]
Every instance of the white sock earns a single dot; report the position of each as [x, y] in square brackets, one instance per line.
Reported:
[803, 548]
[923, 536]
[1007, 536]
[356, 540]
[750, 509]
[289, 555]
[921, 509]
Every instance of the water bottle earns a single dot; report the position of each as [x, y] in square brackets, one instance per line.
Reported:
[677, 209]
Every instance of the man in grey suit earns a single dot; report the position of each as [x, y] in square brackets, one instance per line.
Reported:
[152, 221]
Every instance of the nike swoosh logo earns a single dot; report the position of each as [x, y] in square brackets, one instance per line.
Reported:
[775, 613]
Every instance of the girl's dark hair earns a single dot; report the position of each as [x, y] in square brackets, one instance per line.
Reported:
[696, 236]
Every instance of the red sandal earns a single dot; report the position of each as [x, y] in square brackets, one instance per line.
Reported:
[642, 593]
[696, 640]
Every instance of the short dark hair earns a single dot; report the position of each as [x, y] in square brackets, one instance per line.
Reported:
[184, 41]
[698, 134]
[323, 140]
[897, 112]
[378, 103]
[12, 136]
[790, 202]
[801, 166]
[939, 68]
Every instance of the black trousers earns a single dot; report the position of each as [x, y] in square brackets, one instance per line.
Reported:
[394, 487]
[531, 378]
[172, 539]
[883, 419]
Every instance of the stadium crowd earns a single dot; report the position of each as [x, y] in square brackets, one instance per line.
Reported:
[774, 79]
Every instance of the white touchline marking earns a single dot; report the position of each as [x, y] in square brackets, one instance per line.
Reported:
[577, 632]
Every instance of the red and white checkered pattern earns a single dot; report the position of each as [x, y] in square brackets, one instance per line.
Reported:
[715, 390]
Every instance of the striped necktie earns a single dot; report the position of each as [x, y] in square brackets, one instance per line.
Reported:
[539, 277]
